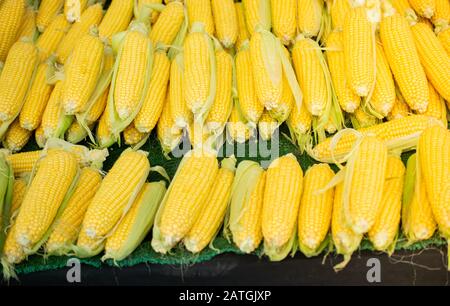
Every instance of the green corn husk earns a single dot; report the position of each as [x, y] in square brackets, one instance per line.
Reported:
[6, 194]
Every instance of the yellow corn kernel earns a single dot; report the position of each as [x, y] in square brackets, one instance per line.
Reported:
[168, 24]
[309, 17]
[282, 195]
[185, 199]
[153, 104]
[200, 11]
[424, 8]
[12, 12]
[16, 137]
[257, 13]
[400, 110]
[48, 42]
[436, 106]
[74, 8]
[92, 16]
[385, 229]
[225, 20]
[238, 128]
[67, 226]
[243, 34]
[284, 19]
[27, 28]
[267, 126]
[48, 9]
[211, 218]
[338, 10]
[23, 163]
[314, 217]
[116, 19]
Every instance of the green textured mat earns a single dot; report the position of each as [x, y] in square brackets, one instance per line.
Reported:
[145, 254]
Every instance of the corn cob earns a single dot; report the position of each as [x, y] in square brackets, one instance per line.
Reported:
[133, 136]
[358, 36]
[23, 163]
[73, 9]
[299, 123]
[315, 211]
[441, 14]
[68, 225]
[243, 34]
[16, 137]
[267, 126]
[87, 247]
[76, 133]
[403, 8]
[238, 128]
[48, 42]
[31, 114]
[225, 20]
[418, 222]
[153, 104]
[41, 205]
[136, 224]
[400, 110]
[28, 28]
[444, 38]
[257, 13]
[360, 119]
[280, 209]
[284, 19]
[436, 106]
[383, 98]
[216, 205]
[116, 193]
[282, 111]
[12, 12]
[348, 100]
[424, 8]
[184, 200]
[19, 191]
[401, 53]
[15, 79]
[116, 19]
[168, 24]
[12, 252]
[200, 11]
[309, 17]
[104, 135]
[169, 135]
[385, 229]
[97, 108]
[433, 57]
[244, 218]
[48, 9]
[92, 16]
[250, 106]
[40, 137]
[338, 11]
[221, 108]
[180, 113]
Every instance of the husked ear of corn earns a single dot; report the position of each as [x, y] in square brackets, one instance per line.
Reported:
[136, 223]
[299, 124]
[284, 19]
[418, 222]
[257, 14]
[338, 9]
[23, 163]
[403, 8]
[40, 137]
[383, 234]
[6, 197]
[104, 135]
[425, 8]
[133, 137]
[12, 254]
[74, 8]
[238, 128]
[48, 9]
[48, 41]
[244, 218]
[16, 137]
[28, 28]
[115, 196]
[399, 110]
[116, 18]
[226, 22]
[444, 38]
[361, 119]
[168, 24]
[19, 191]
[315, 211]
[180, 112]
[75, 133]
[436, 106]
[185, 199]
[200, 11]
[169, 135]
[282, 195]
[309, 17]
[243, 34]
[267, 126]
[441, 14]
[211, 218]
[12, 12]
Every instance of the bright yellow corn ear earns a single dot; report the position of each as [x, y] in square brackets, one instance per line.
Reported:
[284, 19]
[48, 9]
[267, 126]
[418, 222]
[282, 195]
[244, 218]
[40, 137]
[48, 42]
[92, 16]
[28, 29]
[238, 128]
[383, 234]
[12, 12]
[16, 137]
[169, 135]
[315, 211]
[309, 17]
[12, 253]
[211, 218]
[185, 199]
[76, 133]
[19, 191]
[200, 11]
[441, 14]
[168, 24]
[299, 124]
[180, 113]
[436, 106]
[116, 19]
[257, 14]
[104, 135]
[136, 223]
[23, 163]
[226, 22]
[399, 110]
[361, 119]
[74, 8]
[403, 8]
[133, 137]
[425, 8]
[338, 9]
[444, 38]
[401, 53]
[243, 34]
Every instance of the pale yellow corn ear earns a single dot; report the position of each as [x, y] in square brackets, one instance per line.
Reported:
[16, 78]
[40, 137]
[23, 163]
[282, 195]
[238, 128]
[91, 17]
[54, 123]
[244, 218]
[168, 24]
[221, 108]
[116, 18]
[365, 170]
[211, 218]
[315, 211]
[361, 119]
[19, 191]
[284, 19]
[12, 12]
[31, 114]
[28, 28]
[76, 133]
[385, 229]
[383, 97]
[169, 135]
[400, 110]
[104, 135]
[344, 239]
[257, 14]
[444, 38]
[41, 205]
[433, 156]
[267, 126]
[348, 100]
[151, 109]
[418, 222]
[97, 108]
[180, 112]
[282, 111]
[48, 9]
[68, 225]
[12, 252]
[136, 224]
[113, 199]
[358, 36]
[16, 137]
[309, 17]
[436, 106]
[251, 107]
[73, 9]
[338, 10]
[433, 57]
[200, 11]
[243, 34]
[401, 53]
[185, 199]
[226, 22]
[441, 14]
[88, 247]
[299, 121]
[49, 40]
[424, 8]
[133, 136]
